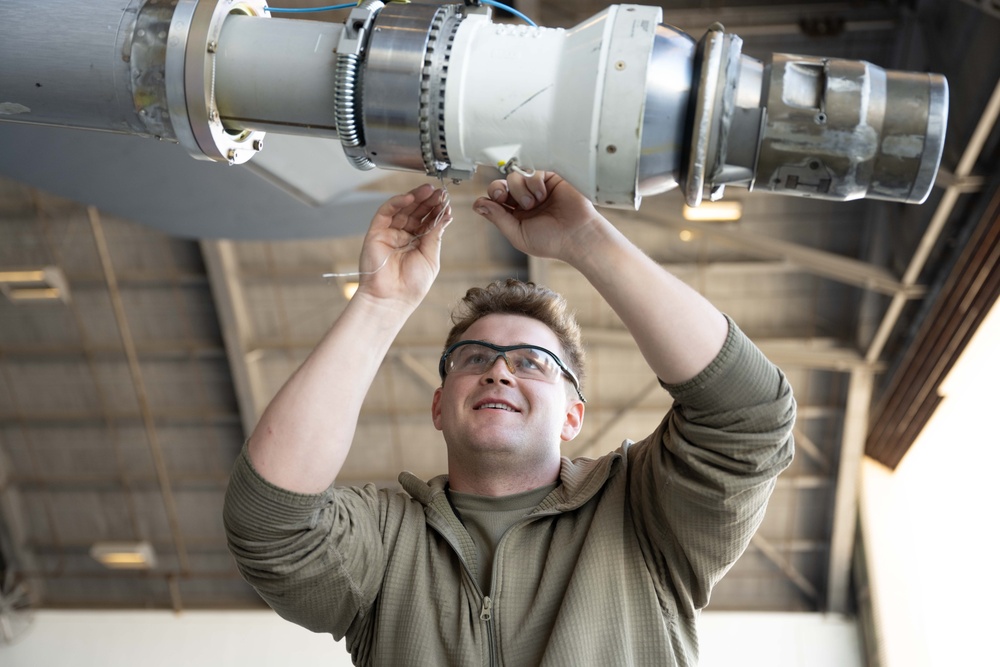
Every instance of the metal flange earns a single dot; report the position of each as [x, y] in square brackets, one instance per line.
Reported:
[718, 68]
[192, 44]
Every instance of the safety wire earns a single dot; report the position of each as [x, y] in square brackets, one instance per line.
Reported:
[445, 208]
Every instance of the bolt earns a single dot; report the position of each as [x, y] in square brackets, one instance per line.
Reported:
[231, 155]
[258, 144]
[213, 115]
[611, 148]
[212, 46]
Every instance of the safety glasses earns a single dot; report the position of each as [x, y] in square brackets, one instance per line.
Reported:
[475, 357]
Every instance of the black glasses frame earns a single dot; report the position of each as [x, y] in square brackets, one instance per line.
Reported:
[502, 351]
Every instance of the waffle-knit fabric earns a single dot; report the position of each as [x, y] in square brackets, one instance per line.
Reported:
[611, 568]
[487, 518]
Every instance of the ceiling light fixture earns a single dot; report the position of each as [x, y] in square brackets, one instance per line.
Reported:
[29, 276]
[714, 211]
[35, 285]
[124, 555]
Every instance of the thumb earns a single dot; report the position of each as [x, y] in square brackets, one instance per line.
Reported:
[496, 214]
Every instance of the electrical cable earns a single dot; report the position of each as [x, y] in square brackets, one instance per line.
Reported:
[500, 5]
[303, 10]
[349, 5]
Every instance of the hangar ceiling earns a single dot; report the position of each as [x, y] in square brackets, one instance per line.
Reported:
[123, 406]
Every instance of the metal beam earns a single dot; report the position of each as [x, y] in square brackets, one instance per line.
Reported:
[805, 444]
[617, 417]
[770, 552]
[810, 260]
[110, 481]
[803, 482]
[941, 215]
[819, 354]
[231, 306]
[845, 511]
[82, 417]
[139, 385]
[986, 6]
[814, 353]
[412, 364]
[173, 349]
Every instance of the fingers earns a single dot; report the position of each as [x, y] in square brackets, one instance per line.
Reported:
[426, 200]
[408, 211]
[520, 191]
[424, 217]
[497, 213]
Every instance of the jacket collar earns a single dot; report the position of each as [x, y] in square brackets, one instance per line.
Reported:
[579, 480]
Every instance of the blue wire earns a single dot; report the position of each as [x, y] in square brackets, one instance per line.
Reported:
[346, 5]
[499, 5]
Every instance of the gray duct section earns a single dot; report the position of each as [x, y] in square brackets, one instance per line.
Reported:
[214, 75]
[157, 184]
[62, 64]
[278, 75]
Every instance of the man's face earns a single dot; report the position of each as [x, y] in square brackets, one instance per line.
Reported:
[499, 412]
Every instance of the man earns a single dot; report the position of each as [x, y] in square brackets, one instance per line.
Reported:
[516, 557]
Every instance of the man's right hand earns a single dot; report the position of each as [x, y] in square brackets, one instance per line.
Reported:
[306, 432]
[402, 249]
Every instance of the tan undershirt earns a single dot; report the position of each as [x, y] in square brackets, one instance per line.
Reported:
[487, 518]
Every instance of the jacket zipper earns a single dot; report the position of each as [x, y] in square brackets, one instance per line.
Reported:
[486, 616]
[486, 610]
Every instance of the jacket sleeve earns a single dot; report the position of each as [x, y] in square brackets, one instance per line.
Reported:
[698, 487]
[317, 560]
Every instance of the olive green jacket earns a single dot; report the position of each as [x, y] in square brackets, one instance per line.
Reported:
[611, 568]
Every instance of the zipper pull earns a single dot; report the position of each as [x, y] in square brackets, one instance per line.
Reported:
[487, 612]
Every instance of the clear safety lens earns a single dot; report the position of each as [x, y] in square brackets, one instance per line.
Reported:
[525, 362]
